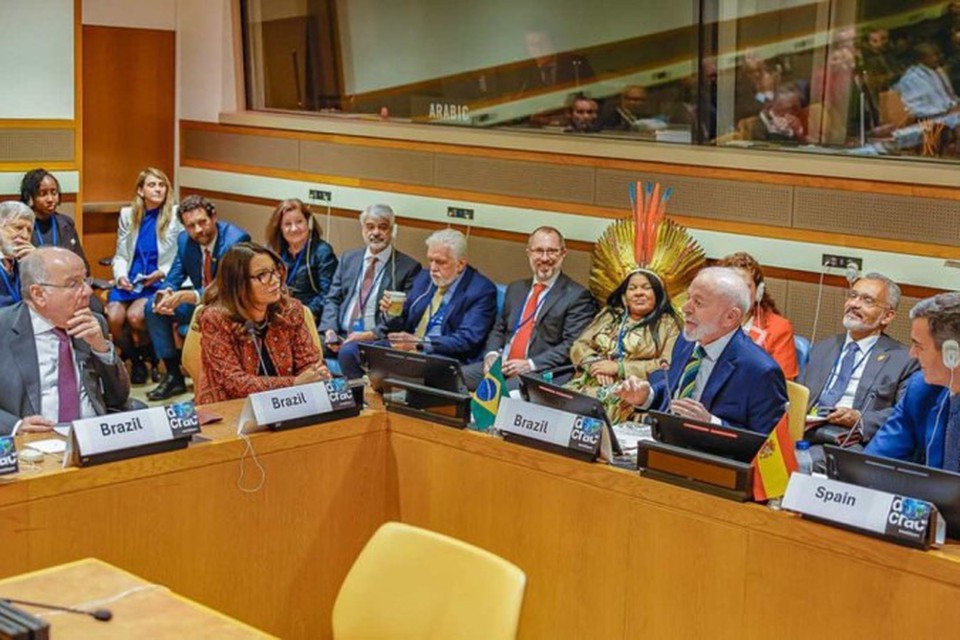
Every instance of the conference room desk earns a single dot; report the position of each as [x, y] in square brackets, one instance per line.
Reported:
[607, 554]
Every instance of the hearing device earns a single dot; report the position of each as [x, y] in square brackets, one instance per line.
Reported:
[951, 354]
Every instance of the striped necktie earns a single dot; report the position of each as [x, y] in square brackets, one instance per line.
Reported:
[688, 381]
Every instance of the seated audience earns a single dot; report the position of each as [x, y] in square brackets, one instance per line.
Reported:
[881, 68]
[763, 322]
[146, 247]
[60, 365]
[254, 337]
[631, 114]
[549, 68]
[717, 374]
[16, 229]
[924, 88]
[352, 308]
[294, 235]
[856, 377]
[200, 247]
[541, 316]
[632, 337]
[449, 310]
[584, 115]
[781, 119]
[40, 190]
[924, 426]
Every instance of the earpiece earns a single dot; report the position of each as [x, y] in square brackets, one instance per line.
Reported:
[760, 289]
[951, 354]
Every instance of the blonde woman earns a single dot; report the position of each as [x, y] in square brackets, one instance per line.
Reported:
[146, 247]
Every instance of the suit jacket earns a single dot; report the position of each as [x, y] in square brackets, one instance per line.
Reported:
[11, 296]
[466, 322]
[882, 384]
[565, 313]
[66, 236]
[345, 280]
[746, 388]
[189, 260]
[916, 426]
[127, 236]
[322, 264]
[106, 385]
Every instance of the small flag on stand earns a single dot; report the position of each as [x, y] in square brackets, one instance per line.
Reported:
[774, 463]
[486, 400]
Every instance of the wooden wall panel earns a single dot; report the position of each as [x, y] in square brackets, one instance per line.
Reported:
[37, 146]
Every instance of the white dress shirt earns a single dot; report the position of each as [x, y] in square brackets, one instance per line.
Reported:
[48, 357]
[866, 346]
[372, 303]
[713, 351]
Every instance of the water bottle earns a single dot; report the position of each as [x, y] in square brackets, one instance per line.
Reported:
[804, 459]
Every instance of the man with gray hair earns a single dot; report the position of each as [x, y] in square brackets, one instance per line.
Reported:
[924, 426]
[60, 364]
[717, 374]
[16, 229]
[856, 377]
[449, 311]
[352, 310]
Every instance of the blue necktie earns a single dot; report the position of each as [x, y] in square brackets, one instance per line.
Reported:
[951, 441]
[831, 396]
[688, 381]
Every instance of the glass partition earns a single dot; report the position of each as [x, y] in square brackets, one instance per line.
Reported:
[864, 77]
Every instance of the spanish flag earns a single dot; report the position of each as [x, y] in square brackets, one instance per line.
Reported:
[486, 400]
[774, 463]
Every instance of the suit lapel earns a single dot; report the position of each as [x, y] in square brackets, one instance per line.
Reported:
[553, 295]
[457, 300]
[725, 366]
[878, 357]
[24, 350]
[822, 373]
[681, 354]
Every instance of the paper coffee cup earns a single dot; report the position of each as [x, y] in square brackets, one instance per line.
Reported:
[396, 299]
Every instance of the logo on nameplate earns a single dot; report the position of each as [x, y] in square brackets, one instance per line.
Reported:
[568, 430]
[182, 418]
[8, 456]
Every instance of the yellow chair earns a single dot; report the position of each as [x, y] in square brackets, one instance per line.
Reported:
[413, 583]
[799, 396]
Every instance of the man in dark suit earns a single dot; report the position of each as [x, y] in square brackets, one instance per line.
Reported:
[541, 316]
[60, 366]
[199, 250]
[352, 310]
[858, 376]
[449, 311]
[717, 374]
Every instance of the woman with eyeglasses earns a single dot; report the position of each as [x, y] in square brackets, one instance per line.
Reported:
[253, 332]
[294, 235]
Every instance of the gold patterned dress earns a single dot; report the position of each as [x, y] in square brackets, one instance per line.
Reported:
[637, 353]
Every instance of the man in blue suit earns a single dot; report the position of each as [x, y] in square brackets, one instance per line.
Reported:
[199, 250]
[925, 424]
[717, 374]
[448, 312]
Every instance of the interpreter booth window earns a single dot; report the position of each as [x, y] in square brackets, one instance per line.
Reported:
[861, 77]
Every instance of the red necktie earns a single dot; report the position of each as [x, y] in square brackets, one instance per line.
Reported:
[365, 288]
[207, 268]
[518, 348]
[67, 388]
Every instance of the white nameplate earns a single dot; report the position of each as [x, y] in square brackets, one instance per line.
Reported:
[567, 430]
[904, 520]
[277, 406]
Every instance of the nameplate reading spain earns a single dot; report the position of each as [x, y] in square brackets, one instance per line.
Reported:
[896, 518]
[553, 426]
[292, 404]
[133, 429]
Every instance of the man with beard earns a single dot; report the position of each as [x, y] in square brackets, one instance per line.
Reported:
[858, 376]
[352, 310]
[717, 374]
[449, 311]
[16, 227]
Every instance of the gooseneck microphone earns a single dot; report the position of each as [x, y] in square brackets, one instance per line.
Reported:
[251, 328]
[103, 615]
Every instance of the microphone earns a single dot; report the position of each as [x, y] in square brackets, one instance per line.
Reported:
[251, 328]
[103, 615]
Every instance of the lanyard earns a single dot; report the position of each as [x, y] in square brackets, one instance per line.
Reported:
[533, 314]
[622, 333]
[12, 287]
[55, 240]
[292, 271]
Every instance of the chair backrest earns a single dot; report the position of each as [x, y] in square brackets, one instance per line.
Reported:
[892, 109]
[798, 396]
[413, 583]
[802, 346]
[191, 348]
[501, 295]
[312, 327]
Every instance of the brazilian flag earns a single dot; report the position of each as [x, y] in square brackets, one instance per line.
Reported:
[486, 400]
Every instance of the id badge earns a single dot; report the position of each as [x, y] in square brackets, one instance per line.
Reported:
[357, 325]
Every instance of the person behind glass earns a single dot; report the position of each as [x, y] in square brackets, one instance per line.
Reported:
[200, 247]
[40, 190]
[146, 247]
[254, 333]
[60, 364]
[541, 316]
[763, 322]
[584, 115]
[449, 311]
[925, 88]
[924, 426]
[352, 310]
[717, 374]
[16, 229]
[858, 376]
[632, 336]
[293, 234]
[630, 113]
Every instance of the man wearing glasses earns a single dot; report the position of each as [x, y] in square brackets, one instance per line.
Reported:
[855, 378]
[60, 366]
[541, 316]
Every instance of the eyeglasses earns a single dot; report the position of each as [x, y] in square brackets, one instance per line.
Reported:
[264, 277]
[868, 301]
[76, 285]
[550, 253]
